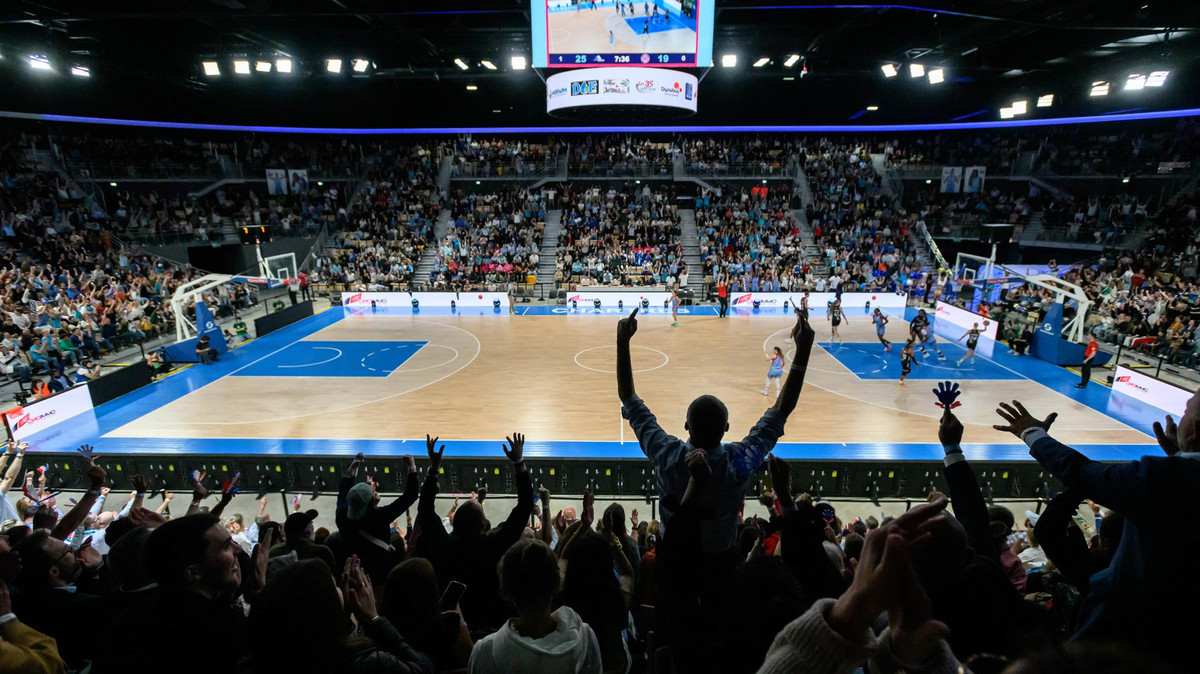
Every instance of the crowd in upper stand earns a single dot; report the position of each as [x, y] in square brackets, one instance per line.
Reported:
[737, 155]
[628, 236]
[492, 240]
[751, 242]
[621, 155]
[496, 158]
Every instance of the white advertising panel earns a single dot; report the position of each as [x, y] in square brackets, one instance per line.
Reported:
[818, 301]
[621, 86]
[948, 313]
[36, 417]
[1164, 396]
[384, 300]
[588, 297]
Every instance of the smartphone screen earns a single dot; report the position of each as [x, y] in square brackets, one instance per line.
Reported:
[452, 595]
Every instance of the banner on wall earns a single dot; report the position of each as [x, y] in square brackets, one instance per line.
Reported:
[384, 300]
[976, 175]
[1164, 396]
[298, 181]
[607, 298]
[277, 182]
[24, 422]
[952, 179]
[817, 300]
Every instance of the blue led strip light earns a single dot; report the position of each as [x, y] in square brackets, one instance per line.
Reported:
[823, 128]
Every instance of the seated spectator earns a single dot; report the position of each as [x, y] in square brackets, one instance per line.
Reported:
[10, 363]
[60, 381]
[204, 350]
[88, 370]
[536, 640]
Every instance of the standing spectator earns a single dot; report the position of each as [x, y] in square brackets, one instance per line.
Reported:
[364, 524]
[1089, 354]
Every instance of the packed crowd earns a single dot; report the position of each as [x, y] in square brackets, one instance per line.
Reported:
[376, 243]
[996, 151]
[1104, 219]
[492, 241]
[742, 156]
[750, 241]
[951, 585]
[864, 239]
[621, 155]
[475, 158]
[627, 237]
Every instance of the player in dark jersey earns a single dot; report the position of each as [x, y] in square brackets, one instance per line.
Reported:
[918, 324]
[880, 321]
[972, 337]
[836, 316]
[907, 360]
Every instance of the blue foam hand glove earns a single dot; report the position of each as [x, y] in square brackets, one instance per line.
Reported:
[947, 393]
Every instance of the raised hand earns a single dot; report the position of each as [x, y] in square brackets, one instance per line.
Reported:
[1020, 420]
[802, 332]
[87, 453]
[96, 475]
[258, 558]
[947, 393]
[589, 509]
[356, 588]
[1167, 436]
[781, 475]
[409, 463]
[950, 429]
[140, 483]
[543, 495]
[232, 487]
[633, 518]
[697, 463]
[517, 442]
[626, 327]
[435, 456]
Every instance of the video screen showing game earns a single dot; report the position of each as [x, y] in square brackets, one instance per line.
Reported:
[584, 33]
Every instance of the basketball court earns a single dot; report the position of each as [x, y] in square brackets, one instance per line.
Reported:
[376, 381]
[585, 30]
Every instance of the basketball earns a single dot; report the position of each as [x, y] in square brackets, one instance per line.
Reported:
[481, 297]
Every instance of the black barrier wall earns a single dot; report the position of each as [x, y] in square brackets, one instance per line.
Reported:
[116, 383]
[282, 318]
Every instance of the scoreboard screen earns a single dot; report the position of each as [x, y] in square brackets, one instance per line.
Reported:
[642, 33]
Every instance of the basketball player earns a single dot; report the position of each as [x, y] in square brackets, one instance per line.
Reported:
[776, 371]
[610, 39]
[906, 362]
[723, 296]
[836, 316]
[646, 27]
[928, 338]
[918, 325]
[804, 302]
[880, 321]
[512, 298]
[972, 337]
[674, 308]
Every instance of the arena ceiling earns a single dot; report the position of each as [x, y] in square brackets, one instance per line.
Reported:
[144, 60]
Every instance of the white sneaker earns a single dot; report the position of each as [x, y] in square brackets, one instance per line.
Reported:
[764, 391]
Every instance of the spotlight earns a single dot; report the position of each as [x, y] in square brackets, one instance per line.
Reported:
[39, 62]
[872, 108]
[1006, 113]
[488, 64]
[518, 63]
[283, 65]
[762, 62]
[472, 87]
[1099, 89]
[333, 65]
[916, 70]
[1045, 101]
[81, 71]
[241, 67]
[1125, 179]
[889, 70]
[461, 64]
[1157, 78]
[1020, 107]
[728, 60]
[360, 65]
[112, 184]
[791, 60]
[937, 76]
[1135, 82]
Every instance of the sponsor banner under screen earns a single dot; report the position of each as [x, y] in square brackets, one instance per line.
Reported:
[818, 300]
[1164, 396]
[948, 313]
[24, 422]
[394, 300]
[621, 86]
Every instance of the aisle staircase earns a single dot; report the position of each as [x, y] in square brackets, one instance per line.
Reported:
[689, 237]
[425, 264]
[549, 250]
